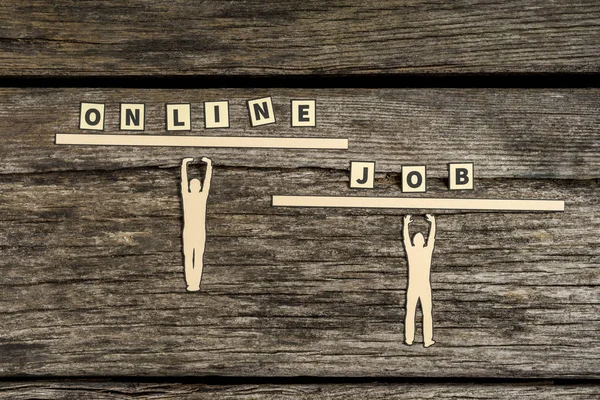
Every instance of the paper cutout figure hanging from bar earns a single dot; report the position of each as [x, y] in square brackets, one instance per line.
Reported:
[418, 257]
[195, 198]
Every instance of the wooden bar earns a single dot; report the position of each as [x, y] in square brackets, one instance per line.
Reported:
[201, 141]
[419, 203]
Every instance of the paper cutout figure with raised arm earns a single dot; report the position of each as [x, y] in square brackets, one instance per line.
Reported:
[419, 255]
[195, 197]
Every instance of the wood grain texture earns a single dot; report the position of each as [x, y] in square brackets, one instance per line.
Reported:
[269, 37]
[90, 240]
[537, 133]
[61, 390]
[92, 280]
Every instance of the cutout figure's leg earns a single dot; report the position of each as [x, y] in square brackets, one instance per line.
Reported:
[426, 306]
[198, 264]
[409, 322]
[193, 284]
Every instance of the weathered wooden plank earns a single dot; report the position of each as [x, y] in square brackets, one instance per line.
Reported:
[269, 37]
[115, 390]
[506, 132]
[92, 280]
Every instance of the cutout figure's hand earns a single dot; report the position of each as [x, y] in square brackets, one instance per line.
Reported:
[430, 218]
[207, 160]
[187, 160]
[407, 219]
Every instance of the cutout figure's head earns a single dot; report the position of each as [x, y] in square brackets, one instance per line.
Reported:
[195, 186]
[419, 240]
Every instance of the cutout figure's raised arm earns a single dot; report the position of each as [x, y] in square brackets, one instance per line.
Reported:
[185, 184]
[207, 176]
[406, 235]
[431, 238]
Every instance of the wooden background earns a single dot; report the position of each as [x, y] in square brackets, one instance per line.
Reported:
[299, 303]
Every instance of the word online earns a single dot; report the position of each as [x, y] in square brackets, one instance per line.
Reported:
[179, 115]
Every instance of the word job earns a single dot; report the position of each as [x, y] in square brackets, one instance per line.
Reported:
[460, 176]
